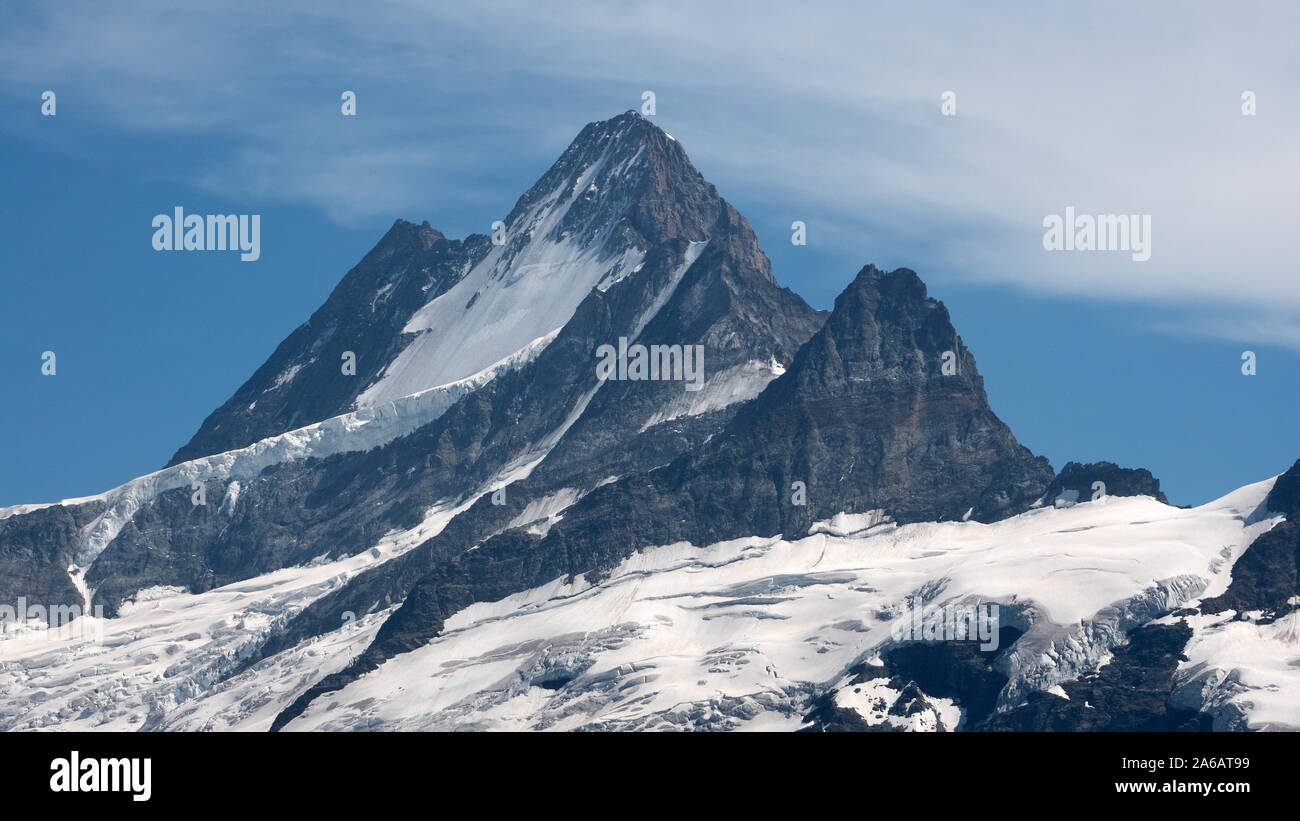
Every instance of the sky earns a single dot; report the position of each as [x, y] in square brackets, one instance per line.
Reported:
[831, 115]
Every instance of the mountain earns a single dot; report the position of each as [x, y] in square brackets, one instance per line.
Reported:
[421, 312]
[338, 486]
[484, 526]
[864, 403]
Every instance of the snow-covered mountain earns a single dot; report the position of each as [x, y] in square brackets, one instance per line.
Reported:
[478, 529]
[421, 313]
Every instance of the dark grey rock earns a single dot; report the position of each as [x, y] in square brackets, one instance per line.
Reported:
[1079, 478]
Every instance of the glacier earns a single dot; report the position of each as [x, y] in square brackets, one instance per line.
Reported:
[737, 635]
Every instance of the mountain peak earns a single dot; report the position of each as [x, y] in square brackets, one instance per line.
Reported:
[631, 126]
[887, 381]
[421, 312]
[622, 189]
[424, 234]
[901, 282]
[884, 330]
[624, 174]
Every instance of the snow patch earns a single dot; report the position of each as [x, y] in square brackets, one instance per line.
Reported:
[739, 383]
[542, 513]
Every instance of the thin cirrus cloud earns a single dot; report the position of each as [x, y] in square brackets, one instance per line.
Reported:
[832, 111]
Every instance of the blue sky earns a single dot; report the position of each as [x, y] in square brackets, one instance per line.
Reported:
[829, 115]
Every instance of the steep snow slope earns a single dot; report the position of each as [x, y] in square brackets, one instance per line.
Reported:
[570, 233]
[718, 637]
[512, 297]
[1244, 673]
[739, 383]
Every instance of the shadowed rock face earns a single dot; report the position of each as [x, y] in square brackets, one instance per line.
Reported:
[865, 418]
[868, 418]
[36, 549]
[1079, 478]
[1129, 693]
[917, 672]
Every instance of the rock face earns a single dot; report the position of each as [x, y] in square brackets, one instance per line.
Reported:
[869, 419]
[919, 673]
[36, 549]
[1075, 483]
[1128, 694]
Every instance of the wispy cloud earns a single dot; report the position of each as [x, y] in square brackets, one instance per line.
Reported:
[1245, 325]
[831, 111]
